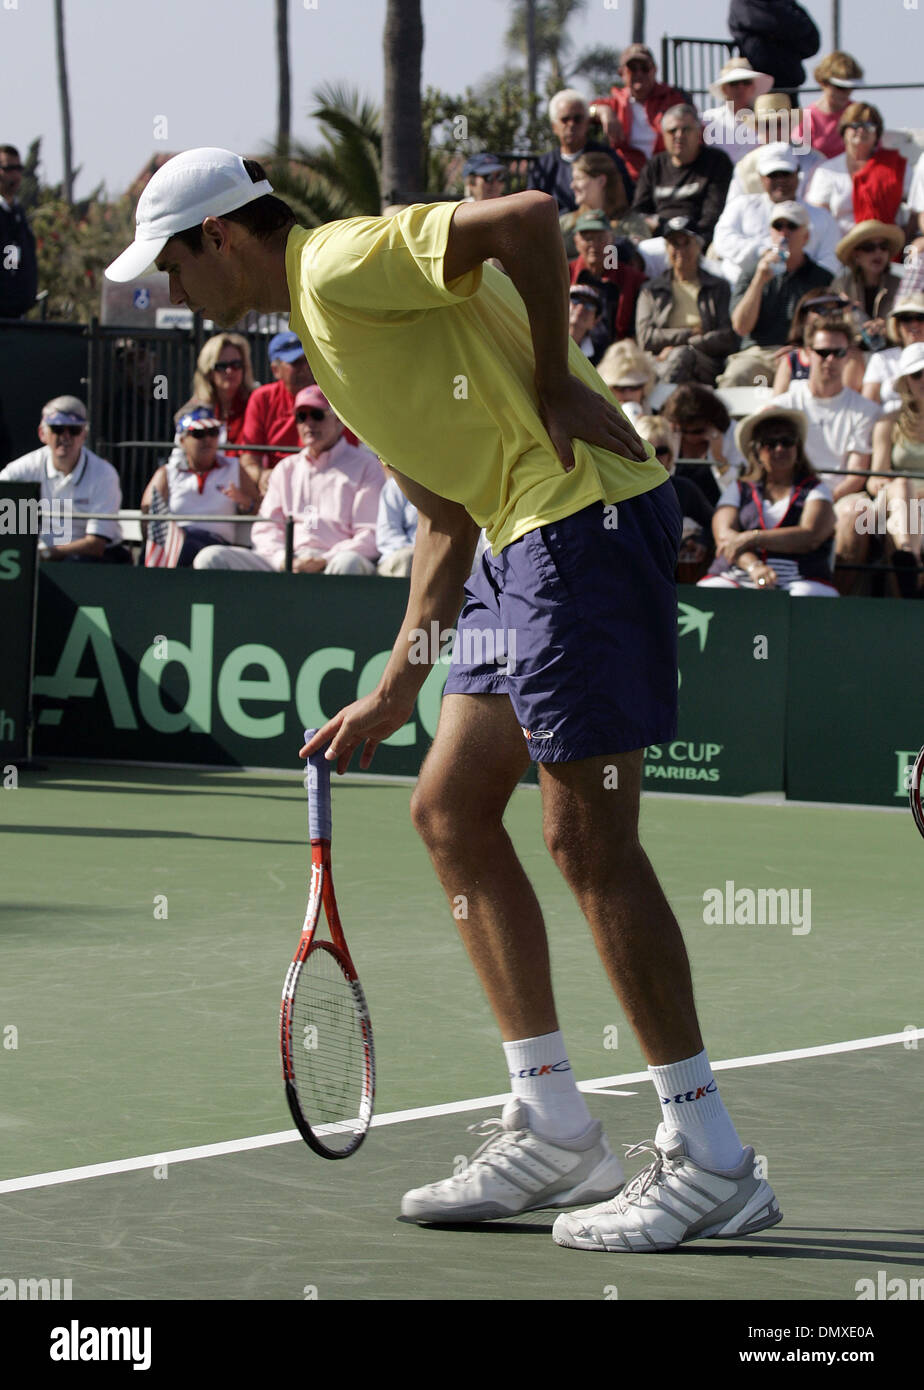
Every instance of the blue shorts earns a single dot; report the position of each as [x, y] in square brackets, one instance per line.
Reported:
[577, 623]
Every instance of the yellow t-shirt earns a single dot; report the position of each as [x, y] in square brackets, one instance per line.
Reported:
[684, 304]
[437, 378]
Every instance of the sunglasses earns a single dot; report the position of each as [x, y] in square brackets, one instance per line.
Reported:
[865, 126]
[302, 416]
[236, 366]
[662, 451]
[778, 441]
[786, 226]
[915, 376]
[825, 353]
[499, 177]
[12, 168]
[204, 432]
[72, 430]
[873, 246]
[909, 318]
[638, 65]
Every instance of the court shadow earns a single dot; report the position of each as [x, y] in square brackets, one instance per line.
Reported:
[111, 832]
[541, 1226]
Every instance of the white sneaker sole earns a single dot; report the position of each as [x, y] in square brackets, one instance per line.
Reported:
[603, 1183]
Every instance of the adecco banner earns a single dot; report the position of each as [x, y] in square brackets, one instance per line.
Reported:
[203, 667]
[20, 523]
[855, 717]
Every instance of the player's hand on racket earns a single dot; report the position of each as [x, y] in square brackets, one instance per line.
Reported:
[570, 410]
[364, 723]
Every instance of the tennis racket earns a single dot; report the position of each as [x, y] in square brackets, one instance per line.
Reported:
[914, 791]
[328, 1062]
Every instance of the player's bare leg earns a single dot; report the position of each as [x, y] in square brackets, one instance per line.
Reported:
[467, 779]
[590, 822]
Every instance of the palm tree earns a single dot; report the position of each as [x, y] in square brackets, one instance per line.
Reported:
[401, 135]
[342, 177]
[284, 116]
[61, 54]
[544, 24]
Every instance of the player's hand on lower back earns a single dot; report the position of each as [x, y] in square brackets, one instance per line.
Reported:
[572, 410]
[366, 723]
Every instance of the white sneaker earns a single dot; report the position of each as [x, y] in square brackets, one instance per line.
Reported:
[671, 1201]
[518, 1170]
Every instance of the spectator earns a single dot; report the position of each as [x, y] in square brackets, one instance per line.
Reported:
[814, 307]
[683, 316]
[774, 35]
[331, 487]
[904, 326]
[72, 480]
[773, 120]
[586, 323]
[763, 304]
[840, 432]
[687, 180]
[837, 74]
[705, 432]
[867, 252]
[631, 115]
[223, 382]
[551, 173]
[596, 264]
[630, 375]
[743, 231]
[201, 482]
[596, 183]
[867, 181]
[898, 447]
[773, 526]
[696, 541]
[916, 206]
[730, 126]
[485, 177]
[18, 262]
[395, 530]
[270, 414]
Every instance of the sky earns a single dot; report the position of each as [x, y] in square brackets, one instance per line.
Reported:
[156, 75]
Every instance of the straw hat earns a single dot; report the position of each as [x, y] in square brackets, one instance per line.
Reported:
[745, 430]
[740, 70]
[866, 231]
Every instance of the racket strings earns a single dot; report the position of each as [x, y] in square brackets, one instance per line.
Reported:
[328, 1050]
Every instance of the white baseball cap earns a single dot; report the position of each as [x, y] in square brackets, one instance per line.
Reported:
[191, 186]
[777, 158]
[797, 213]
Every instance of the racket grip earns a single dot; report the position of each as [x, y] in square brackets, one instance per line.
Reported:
[317, 784]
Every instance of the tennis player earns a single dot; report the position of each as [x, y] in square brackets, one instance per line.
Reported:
[467, 383]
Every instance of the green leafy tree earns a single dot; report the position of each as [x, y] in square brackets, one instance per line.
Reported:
[341, 176]
[554, 45]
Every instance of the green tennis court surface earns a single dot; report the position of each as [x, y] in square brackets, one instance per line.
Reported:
[147, 921]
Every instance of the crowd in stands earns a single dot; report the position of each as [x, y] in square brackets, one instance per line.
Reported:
[748, 245]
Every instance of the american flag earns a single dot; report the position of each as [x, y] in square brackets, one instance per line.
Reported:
[165, 538]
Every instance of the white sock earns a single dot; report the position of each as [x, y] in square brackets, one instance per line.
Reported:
[541, 1076]
[691, 1105]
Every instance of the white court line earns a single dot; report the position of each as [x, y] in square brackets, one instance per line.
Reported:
[425, 1112]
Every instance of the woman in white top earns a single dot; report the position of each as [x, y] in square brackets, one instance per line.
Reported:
[774, 529]
[834, 183]
[904, 325]
[199, 481]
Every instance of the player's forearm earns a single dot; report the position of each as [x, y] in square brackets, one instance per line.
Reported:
[442, 563]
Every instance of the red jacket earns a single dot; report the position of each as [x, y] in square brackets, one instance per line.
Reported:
[877, 187]
[628, 281]
[661, 98]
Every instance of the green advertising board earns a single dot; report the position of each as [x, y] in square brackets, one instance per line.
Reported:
[19, 531]
[855, 717]
[204, 667]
